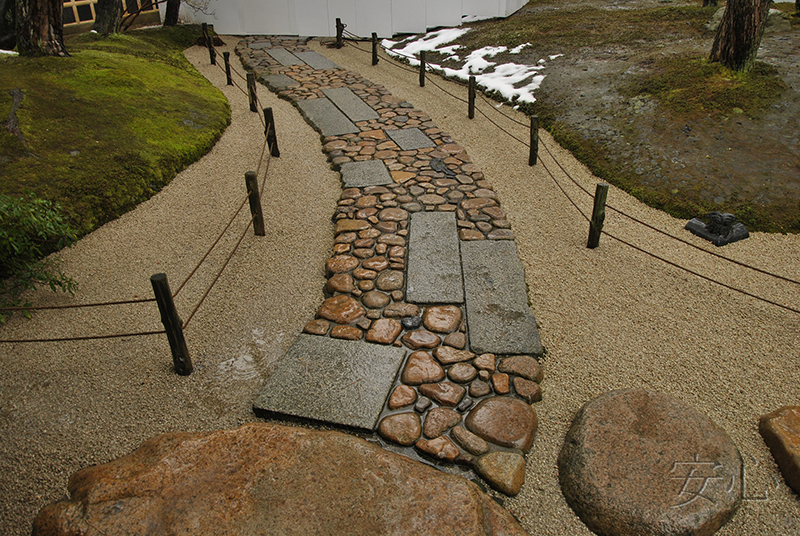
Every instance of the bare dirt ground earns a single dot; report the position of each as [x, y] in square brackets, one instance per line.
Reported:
[734, 157]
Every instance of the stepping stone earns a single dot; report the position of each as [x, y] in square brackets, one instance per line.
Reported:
[260, 46]
[350, 104]
[637, 462]
[332, 380]
[499, 320]
[781, 432]
[284, 57]
[315, 60]
[277, 82]
[434, 270]
[366, 173]
[409, 139]
[326, 117]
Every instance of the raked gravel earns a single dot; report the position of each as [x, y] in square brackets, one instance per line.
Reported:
[610, 318]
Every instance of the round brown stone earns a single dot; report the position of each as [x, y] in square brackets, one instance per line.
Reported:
[345, 238]
[440, 448]
[392, 240]
[390, 280]
[341, 309]
[505, 421]
[341, 283]
[470, 234]
[350, 333]
[401, 428]
[377, 264]
[393, 214]
[432, 199]
[421, 368]
[485, 362]
[504, 471]
[402, 396]
[445, 393]
[363, 253]
[341, 263]
[528, 390]
[317, 327]
[462, 373]
[361, 273]
[440, 420]
[442, 318]
[448, 355]
[477, 202]
[479, 388]
[375, 299]
[384, 331]
[522, 365]
[421, 338]
[663, 467]
[469, 441]
[456, 340]
[501, 383]
[347, 226]
[401, 310]
[367, 201]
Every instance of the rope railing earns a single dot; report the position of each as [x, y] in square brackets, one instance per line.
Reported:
[393, 56]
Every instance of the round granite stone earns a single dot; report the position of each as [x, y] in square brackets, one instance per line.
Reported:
[375, 299]
[341, 263]
[384, 331]
[522, 365]
[421, 338]
[377, 264]
[350, 333]
[402, 396]
[389, 280]
[421, 368]
[442, 318]
[504, 471]
[342, 309]
[638, 462]
[508, 422]
[401, 428]
[440, 420]
[341, 283]
[462, 373]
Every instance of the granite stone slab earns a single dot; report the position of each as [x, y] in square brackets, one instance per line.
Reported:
[350, 104]
[284, 57]
[315, 60]
[277, 82]
[434, 266]
[409, 139]
[326, 117]
[332, 380]
[366, 173]
[499, 320]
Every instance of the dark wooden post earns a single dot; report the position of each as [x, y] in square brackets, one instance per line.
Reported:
[375, 48]
[212, 54]
[269, 132]
[339, 30]
[251, 91]
[534, 140]
[227, 56]
[598, 215]
[422, 68]
[472, 91]
[254, 196]
[172, 324]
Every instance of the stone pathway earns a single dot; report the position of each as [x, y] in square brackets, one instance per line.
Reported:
[426, 336]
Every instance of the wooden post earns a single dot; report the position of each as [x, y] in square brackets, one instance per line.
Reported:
[212, 54]
[422, 68]
[227, 56]
[472, 91]
[172, 324]
[251, 181]
[251, 91]
[374, 48]
[598, 215]
[339, 30]
[269, 132]
[534, 140]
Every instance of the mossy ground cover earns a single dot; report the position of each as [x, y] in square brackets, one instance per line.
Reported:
[108, 127]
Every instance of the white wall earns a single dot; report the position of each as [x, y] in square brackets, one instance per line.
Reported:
[362, 17]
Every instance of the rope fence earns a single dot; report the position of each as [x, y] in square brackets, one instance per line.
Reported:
[173, 327]
[351, 39]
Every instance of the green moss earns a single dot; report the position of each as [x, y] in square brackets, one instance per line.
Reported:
[110, 126]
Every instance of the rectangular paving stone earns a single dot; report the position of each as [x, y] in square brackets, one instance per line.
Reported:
[332, 380]
[316, 60]
[434, 264]
[284, 57]
[350, 104]
[499, 320]
[409, 139]
[277, 82]
[366, 173]
[326, 117]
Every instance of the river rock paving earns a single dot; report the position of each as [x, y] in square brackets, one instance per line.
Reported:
[411, 196]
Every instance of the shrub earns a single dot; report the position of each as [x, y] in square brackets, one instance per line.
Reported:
[30, 230]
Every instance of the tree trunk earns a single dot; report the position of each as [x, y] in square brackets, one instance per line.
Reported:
[108, 16]
[171, 14]
[40, 31]
[739, 34]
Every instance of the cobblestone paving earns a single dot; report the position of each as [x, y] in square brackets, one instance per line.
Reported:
[448, 403]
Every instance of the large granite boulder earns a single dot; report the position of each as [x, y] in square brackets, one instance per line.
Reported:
[270, 479]
[641, 463]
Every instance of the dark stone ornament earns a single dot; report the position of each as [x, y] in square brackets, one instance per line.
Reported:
[721, 229]
[438, 165]
[412, 322]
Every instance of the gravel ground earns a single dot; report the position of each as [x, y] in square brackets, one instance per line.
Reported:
[610, 317]
[613, 318]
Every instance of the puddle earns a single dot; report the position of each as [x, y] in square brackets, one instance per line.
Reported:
[254, 358]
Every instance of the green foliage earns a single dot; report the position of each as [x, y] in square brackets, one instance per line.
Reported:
[30, 229]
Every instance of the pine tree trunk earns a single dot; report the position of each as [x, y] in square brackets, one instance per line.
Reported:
[171, 14]
[108, 16]
[40, 31]
[739, 34]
